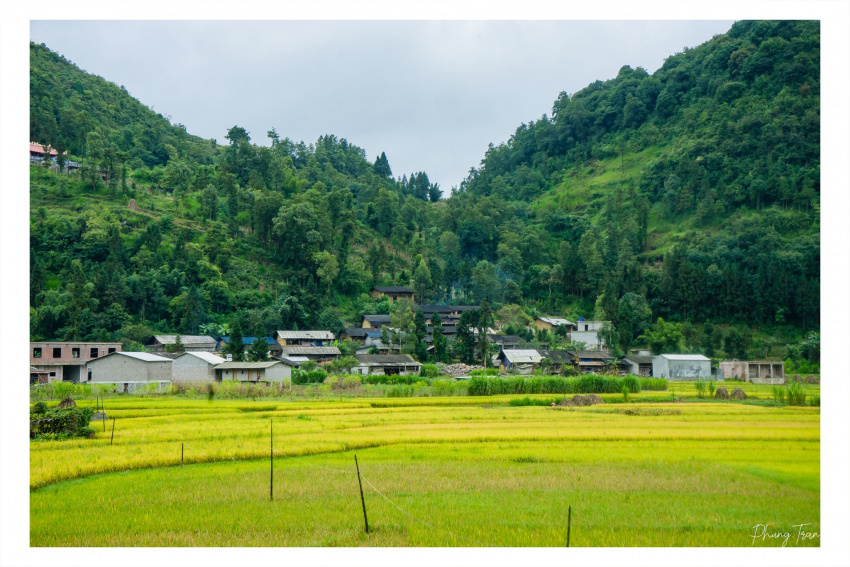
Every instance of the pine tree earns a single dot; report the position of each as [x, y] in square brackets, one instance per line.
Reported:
[235, 346]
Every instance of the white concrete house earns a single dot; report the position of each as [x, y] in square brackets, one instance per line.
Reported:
[196, 366]
[681, 366]
[270, 371]
[128, 370]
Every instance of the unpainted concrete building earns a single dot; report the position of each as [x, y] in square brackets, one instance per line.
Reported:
[195, 367]
[755, 371]
[271, 371]
[123, 368]
[681, 366]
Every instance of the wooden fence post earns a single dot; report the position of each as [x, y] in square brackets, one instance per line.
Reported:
[271, 460]
[113, 430]
[362, 500]
[569, 522]
[181, 453]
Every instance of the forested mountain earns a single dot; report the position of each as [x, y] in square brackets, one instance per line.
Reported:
[690, 194]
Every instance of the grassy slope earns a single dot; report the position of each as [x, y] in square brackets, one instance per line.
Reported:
[702, 474]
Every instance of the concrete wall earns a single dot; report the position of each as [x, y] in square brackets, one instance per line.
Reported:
[590, 338]
[680, 369]
[277, 373]
[118, 368]
[188, 368]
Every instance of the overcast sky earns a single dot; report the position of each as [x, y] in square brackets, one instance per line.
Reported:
[431, 94]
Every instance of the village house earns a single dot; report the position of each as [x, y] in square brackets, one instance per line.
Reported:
[65, 360]
[521, 361]
[449, 314]
[374, 321]
[755, 371]
[270, 371]
[274, 346]
[195, 366]
[393, 293]
[189, 342]
[129, 370]
[505, 342]
[317, 353]
[551, 323]
[560, 359]
[638, 364]
[587, 332]
[681, 366]
[389, 364]
[591, 361]
[354, 334]
[304, 338]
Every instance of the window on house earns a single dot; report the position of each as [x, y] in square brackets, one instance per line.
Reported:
[57, 352]
[36, 352]
[93, 352]
[110, 350]
[89, 374]
[75, 352]
[52, 374]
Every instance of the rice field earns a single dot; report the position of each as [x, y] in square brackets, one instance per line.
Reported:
[459, 471]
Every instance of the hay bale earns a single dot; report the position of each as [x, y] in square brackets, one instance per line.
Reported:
[133, 206]
[810, 379]
[588, 400]
[738, 394]
[721, 394]
[67, 403]
[566, 402]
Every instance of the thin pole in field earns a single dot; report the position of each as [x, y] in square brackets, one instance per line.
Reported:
[362, 500]
[103, 417]
[271, 459]
[569, 521]
[111, 439]
[181, 453]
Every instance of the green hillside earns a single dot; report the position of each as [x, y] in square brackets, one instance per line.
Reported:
[690, 194]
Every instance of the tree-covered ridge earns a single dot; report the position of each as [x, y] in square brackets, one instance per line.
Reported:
[690, 194]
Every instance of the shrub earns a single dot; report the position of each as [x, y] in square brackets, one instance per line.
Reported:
[779, 394]
[815, 401]
[794, 395]
[331, 381]
[57, 423]
[430, 371]
[711, 388]
[700, 386]
[625, 393]
[390, 379]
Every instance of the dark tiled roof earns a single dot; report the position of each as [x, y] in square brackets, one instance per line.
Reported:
[380, 319]
[355, 332]
[389, 359]
[592, 354]
[639, 359]
[392, 289]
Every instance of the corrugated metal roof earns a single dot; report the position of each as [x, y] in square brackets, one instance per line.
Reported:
[684, 357]
[321, 335]
[296, 349]
[246, 365]
[185, 339]
[145, 356]
[522, 355]
[386, 359]
[205, 356]
[557, 321]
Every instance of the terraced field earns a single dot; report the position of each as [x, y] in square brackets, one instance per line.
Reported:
[457, 471]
